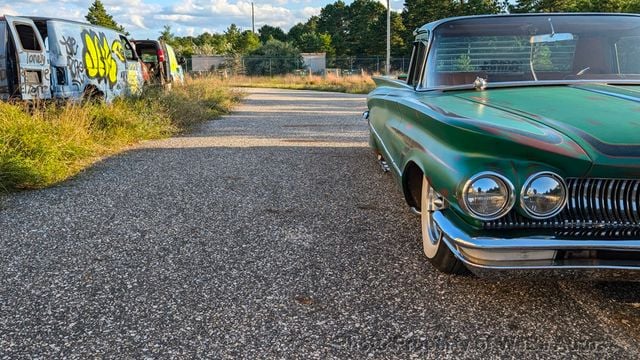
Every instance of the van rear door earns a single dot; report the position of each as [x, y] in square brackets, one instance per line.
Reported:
[33, 60]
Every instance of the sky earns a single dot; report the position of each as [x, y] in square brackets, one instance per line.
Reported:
[146, 18]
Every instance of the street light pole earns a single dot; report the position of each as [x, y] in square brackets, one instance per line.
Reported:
[253, 19]
[388, 62]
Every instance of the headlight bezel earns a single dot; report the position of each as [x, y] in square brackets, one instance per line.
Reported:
[511, 197]
[539, 216]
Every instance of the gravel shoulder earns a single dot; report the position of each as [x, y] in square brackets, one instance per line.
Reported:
[269, 233]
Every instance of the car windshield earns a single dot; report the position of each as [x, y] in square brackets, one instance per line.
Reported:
[535, 48]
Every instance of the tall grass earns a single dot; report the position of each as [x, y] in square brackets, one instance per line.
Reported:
[44, 144]
[354, 84]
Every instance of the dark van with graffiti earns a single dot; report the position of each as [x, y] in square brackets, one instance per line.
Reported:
[42, 58]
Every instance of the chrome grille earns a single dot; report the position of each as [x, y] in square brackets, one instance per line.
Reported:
[592, 203]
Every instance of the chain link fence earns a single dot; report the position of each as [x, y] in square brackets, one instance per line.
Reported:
[272, 66]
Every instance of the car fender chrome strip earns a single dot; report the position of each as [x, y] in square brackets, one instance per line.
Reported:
[386, 151]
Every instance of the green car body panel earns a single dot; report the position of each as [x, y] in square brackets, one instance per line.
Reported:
[575, 131]
[515, 132]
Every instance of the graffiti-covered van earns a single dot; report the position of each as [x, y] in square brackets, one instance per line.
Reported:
[42, 58]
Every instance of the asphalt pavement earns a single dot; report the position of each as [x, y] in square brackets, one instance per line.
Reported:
[270, 233]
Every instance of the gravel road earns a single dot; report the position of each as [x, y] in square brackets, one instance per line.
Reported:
[269, 233]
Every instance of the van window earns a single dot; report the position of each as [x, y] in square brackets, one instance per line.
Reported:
[3, 39]
[28, 39]
[128, 49]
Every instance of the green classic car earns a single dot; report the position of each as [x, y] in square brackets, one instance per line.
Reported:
[517, 140]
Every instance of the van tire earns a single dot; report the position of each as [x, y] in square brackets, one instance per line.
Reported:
[92, 94]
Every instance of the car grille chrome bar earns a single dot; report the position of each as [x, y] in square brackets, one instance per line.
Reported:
[592, 203]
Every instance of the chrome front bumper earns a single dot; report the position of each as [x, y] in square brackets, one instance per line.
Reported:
[537, 256]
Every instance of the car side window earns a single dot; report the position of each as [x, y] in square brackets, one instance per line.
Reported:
[416, 67]
[627, 52]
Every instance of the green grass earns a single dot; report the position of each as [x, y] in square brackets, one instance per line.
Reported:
[353, 84]
[46, 144]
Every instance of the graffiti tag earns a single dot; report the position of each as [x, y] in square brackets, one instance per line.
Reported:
[32, 85]
[36, 59]
[100, 59]
[118, 50]
[74, 65]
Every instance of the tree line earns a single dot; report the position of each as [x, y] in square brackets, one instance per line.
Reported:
[355, 29]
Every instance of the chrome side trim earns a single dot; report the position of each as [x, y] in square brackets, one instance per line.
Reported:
[387, 155]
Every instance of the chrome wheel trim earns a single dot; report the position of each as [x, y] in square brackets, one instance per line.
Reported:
[431, 234]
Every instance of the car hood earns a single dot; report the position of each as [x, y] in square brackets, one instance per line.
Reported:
[604, 120]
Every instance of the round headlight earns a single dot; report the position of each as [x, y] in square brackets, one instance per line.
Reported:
[543, 195]
[488, 196]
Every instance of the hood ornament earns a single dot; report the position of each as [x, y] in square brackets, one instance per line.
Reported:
[480, 83]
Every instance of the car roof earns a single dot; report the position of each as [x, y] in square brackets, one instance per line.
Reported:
[433, 25]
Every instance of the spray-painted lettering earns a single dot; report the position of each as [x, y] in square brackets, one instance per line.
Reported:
[36, 59]
[74, 65]
[32, 85]
[100, 59]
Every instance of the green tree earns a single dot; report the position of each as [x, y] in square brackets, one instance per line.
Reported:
[247, 42]
[398, 31]
[313, 42]
[268, 32]
[273, 58]
[334, 20]
[367, 21]
[526, 6]
[419, 12]
[240, 42]
[296, 32]
[477, 7]
[615, 6]
[98, 15]
[166, 35]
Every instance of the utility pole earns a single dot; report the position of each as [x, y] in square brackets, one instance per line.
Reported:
[388, 63]
[253, 19]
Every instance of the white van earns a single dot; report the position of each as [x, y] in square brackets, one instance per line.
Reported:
[42, 58]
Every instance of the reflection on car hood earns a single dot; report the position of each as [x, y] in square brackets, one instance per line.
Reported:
[603, 119]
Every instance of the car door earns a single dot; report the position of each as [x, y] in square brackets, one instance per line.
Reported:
[135, 78]
[175, 72]
[33, 60]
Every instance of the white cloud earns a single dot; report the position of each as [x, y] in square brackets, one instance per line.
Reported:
[7, 10]
[137, 21]
[308, 11]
